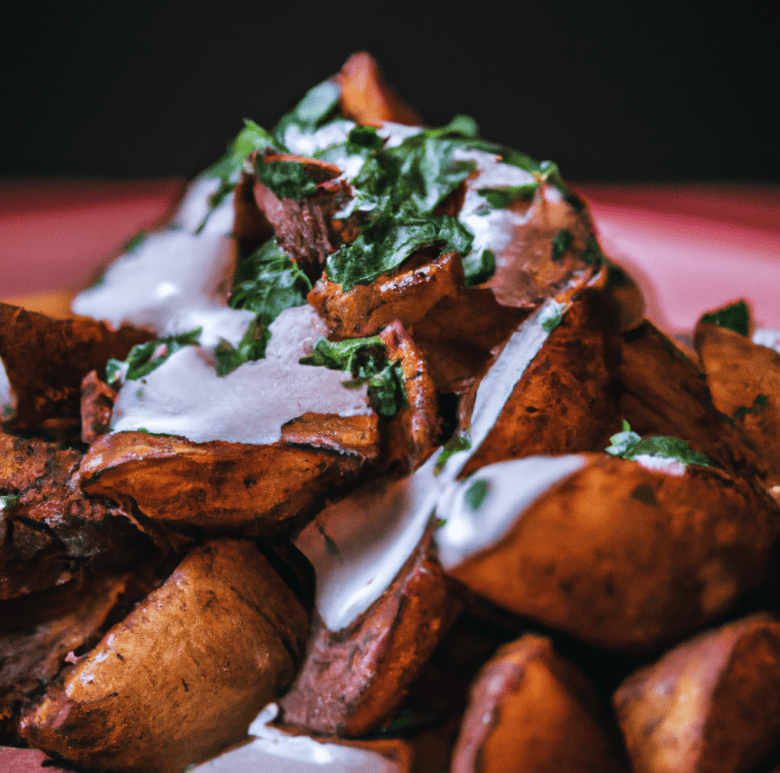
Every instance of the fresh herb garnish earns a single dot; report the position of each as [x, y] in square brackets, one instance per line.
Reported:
[734, 317]
[252, 138]
[144, 358]
[7, 501]
[760, 401]
[287, 179]
[475, 494]
[551, 314]
[266, 282]
[317, 106]
[387, 241]
[629, 445]
[503, 196]
[457, 443]
[560, 243]
[364, 359]
[478, 268]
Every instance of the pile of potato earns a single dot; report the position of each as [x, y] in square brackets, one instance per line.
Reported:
[153, 599]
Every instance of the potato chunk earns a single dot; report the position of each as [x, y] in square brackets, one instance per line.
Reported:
[184, 674]
[710, 704]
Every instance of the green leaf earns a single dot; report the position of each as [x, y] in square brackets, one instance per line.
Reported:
[365, 360]
[478, 268]
[287, 179]
[7, 501]
[735, 317]
[551, 315]
[386, 243]
[629, 445]
[144, 358]
[502, 196]
[457, 443]
[316, 107]
[251, 347]
[560, 243]
[475, 494]
[459, 126]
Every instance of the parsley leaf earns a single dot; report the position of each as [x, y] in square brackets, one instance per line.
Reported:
[316, 107]
[502, 196]
[551, 314]
[735, 317]
[359, 357]
[478, 268]
[629, 445]
[387, 242]
[457, 443]
[475, 494]
[7, 501]
[287, 179]
[560, 242]
[266, 282]
[144, 358]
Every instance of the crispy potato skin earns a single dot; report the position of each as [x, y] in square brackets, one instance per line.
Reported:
[354, 680]
[46, 359]
[184, 674]
[710, 705]
[738, 372]
[533, 711]
[216, 486]
[629, 559]
[565, 402]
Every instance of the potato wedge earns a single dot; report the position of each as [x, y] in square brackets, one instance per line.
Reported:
[623, 557]
[565, 401]
[184, 674]
[744, 380]
[46, 359]
[664, 392]
[353, 680]
[533, 711]
[710, 704]
[219, 487]
[367, 98]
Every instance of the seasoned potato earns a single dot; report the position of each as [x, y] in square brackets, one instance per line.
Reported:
[710, 704]
[533, 711]
[184, 674]
[625, 557]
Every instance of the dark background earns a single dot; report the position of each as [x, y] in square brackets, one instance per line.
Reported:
[610, 90]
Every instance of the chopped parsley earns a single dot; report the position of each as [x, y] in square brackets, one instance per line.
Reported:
[365, 360]
[551, 314]
[475, 494]
[144, 358]
[560, 243]
[287, 179]
[629, 445]
[317, 106]
[504, 195]
[734, 317]
[457, 443]
[7, 501]
[266, 282]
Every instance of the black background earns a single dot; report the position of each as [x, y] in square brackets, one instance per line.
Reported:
[611, 91]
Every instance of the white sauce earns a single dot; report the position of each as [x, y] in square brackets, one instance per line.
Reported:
[767, 337]
[509, 488]
[170, 283]
[7, 397]
[273, 751]
[185, 396]
[673, 467]
[372, 532]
